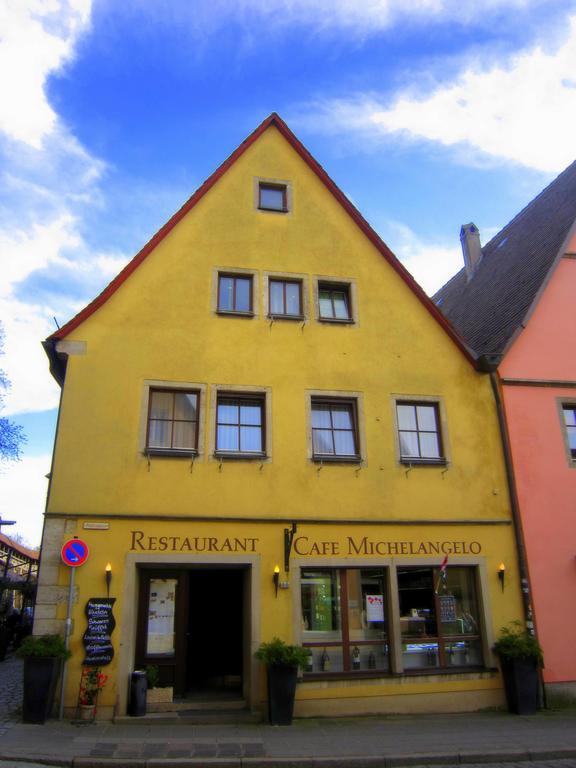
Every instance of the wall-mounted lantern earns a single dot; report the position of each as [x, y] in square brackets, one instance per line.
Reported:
[108, 572]
[501, 575]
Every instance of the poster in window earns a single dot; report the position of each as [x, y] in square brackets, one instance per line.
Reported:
[374, 607]
[447, 608]
[161, 612]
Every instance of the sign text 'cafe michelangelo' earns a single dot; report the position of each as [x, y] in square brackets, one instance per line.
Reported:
[304, 545]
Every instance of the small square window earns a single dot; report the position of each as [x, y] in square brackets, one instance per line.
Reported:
[334, 302]
[240, 426]
[569, 413]
[285, 299]
[235, 294]
[335, 429]
[419, 432]
[172, 421]
[272, 197]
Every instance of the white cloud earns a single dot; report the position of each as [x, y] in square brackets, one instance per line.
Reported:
[521, 112]
[25, 363]
[430, 263]
[38, 37]
[27, 322]
[48, 180]
[24, 252]
[23, 488]
[361, 18]
[370, 16]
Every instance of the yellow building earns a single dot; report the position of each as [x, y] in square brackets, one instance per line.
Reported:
[265, 387]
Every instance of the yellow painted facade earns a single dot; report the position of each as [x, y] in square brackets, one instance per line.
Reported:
[161, 328]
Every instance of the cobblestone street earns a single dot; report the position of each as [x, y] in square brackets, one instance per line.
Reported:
[10, 692]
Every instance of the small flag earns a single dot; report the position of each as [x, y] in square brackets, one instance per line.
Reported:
[442, 575]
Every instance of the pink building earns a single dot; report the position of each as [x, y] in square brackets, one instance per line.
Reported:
[514, 302]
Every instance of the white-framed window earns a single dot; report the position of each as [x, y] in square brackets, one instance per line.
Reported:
[420, 427]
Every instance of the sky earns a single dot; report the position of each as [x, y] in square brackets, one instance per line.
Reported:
[427, 113]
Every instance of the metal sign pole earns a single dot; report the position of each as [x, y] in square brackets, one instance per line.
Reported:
[67, 634]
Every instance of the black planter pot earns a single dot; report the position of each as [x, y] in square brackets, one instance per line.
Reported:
[281, 693]
[40, 677]
[521, 684]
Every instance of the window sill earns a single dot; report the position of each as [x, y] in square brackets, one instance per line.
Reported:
[298, 318]
[337, 459]
[385, 675]
[337, 320]
[239, 456]
[171, 452]
[233, 313]
[272, 210]
[423, 462]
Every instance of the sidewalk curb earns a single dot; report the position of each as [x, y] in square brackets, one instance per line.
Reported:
[372, 761]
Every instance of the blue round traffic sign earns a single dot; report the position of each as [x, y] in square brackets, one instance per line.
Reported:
[74, 552]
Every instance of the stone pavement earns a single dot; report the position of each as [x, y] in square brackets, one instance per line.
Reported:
[10, 692]
[548, 738]
[545, 740]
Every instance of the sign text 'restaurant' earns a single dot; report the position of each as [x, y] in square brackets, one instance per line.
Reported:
[304, 545]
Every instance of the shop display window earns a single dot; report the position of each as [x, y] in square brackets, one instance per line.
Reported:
[439, 620]
[344, 620]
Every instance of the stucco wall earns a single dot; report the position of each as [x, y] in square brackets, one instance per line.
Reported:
[545, 477]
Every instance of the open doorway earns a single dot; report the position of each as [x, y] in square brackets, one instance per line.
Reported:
[194, 626]
[215, 633]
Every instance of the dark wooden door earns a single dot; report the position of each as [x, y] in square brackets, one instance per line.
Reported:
[162, 625]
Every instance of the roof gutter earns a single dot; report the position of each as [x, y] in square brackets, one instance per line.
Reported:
[520, 544]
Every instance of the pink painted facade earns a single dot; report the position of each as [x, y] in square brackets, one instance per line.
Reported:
[543, 356]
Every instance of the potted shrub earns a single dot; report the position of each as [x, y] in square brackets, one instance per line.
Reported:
[282, 662]
[91, 684]
[520, 659]
[43, 656]
[157, 694]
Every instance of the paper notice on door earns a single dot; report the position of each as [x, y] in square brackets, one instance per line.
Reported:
[161, 610]
[374, 607]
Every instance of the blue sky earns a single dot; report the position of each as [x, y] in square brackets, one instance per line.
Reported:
[427, 113]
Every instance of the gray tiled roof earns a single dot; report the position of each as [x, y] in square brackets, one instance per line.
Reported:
[489, 308]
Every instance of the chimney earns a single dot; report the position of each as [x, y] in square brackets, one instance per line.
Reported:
[471, 248]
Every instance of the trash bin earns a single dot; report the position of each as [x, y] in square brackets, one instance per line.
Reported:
[137, 695]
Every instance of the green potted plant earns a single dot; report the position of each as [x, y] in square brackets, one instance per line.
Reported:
[43, 657]
[156, 694]
[282, 662]
[521, 658]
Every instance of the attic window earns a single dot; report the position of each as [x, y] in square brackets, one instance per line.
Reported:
[272, 197]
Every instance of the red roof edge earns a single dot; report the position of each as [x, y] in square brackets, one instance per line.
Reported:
[353, 212]
[31, 554]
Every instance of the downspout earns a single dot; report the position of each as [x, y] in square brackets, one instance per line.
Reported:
[515, 508]
[518, 533]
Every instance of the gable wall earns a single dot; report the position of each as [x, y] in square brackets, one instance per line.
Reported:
[545, 478]
[160, 325]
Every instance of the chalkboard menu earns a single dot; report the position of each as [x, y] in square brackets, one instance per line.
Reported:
[101, 622]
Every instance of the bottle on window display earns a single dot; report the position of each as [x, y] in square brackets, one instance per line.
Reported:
[371, 661]
[309, 662]
[356, 657]
[325, 662]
